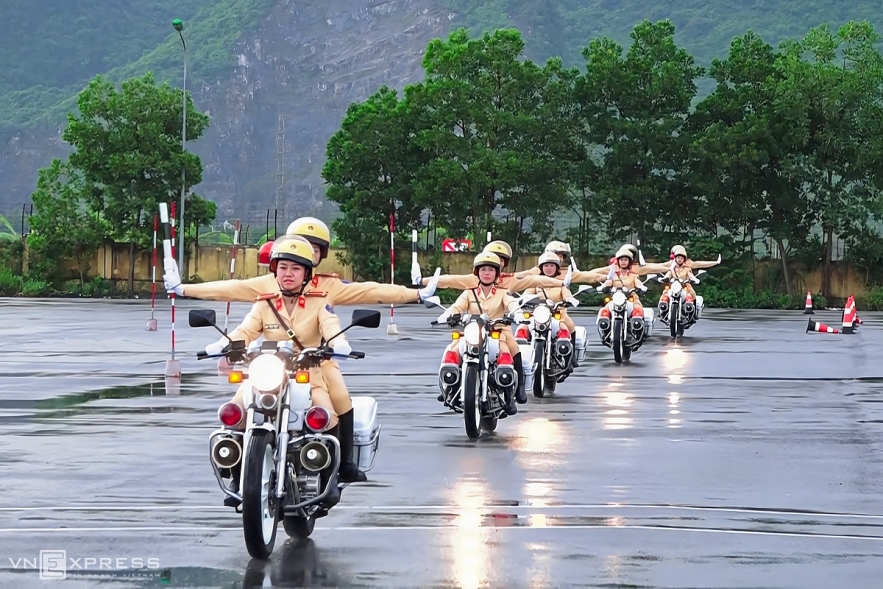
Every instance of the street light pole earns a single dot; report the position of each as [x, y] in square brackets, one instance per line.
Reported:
[179, 26]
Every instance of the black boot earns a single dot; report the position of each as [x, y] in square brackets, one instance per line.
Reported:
[236, 472]
[520, 394]
[349, 471]
[574, 363]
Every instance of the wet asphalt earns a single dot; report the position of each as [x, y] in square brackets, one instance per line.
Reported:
[748, 455]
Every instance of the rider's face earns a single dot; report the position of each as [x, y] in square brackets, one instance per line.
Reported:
[550, 269]
[624, 262]
[317, 253]
[680, 260]
[487, 274]
[289, 275]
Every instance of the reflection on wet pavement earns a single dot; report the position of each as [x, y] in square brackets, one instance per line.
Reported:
[746, 456]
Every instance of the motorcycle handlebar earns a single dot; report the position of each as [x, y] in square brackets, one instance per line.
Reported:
[201, 355]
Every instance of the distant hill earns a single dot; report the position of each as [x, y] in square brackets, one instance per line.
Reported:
[277, 75]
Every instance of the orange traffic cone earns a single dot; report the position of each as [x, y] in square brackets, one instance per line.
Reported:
[820, 327]
[849, 316]
[808, 310]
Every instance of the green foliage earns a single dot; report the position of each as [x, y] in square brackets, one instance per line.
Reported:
[10, 282]
[49, 58]
[198, 212]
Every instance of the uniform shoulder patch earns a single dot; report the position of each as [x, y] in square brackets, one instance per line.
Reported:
[316, 293]
[328, 275]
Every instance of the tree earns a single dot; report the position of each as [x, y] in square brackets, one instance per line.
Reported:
[63, 227]
[370, 167]
[831, 86]
[489, 122]
[128, 153]
[633, 110]
[198, 212]
[742, 142]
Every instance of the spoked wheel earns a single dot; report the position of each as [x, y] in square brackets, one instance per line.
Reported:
[260, 511]
[617, 340]
[471, 402]
[299, 527]
[539, 372]
[673, 322]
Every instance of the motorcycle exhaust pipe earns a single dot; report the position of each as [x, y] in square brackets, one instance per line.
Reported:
[314, 456]
[637, 327]
[505, 377]
[564, 347]
[226, 452]
[449, 375]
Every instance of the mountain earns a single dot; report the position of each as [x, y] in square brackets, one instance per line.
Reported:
[276, 76]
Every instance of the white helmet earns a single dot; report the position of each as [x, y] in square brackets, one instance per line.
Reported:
[549, 258]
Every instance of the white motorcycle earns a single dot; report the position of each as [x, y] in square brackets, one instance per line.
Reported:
[477, 379]
[675, 310]
[546, 346]
[617, 328]
[285, 459]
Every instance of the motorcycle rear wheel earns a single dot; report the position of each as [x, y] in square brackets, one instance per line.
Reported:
[260, 513]
[471, 402]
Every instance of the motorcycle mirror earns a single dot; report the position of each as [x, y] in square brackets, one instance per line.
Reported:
[366, 318]
[202, 318]
[527, 299]
[651, 276]
[431, 302]
[583, 288]
[700, 272]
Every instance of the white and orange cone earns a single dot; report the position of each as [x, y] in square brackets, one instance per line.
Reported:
[849, 316]
[820, 327]
[808, 310]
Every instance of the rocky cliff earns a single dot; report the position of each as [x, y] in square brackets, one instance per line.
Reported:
[293, 80]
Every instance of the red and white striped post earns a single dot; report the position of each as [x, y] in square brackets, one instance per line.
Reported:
[152, 324]
[391, 329]
[232, 265]
[173, 366]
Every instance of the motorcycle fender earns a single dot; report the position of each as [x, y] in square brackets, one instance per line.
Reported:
[493, 350]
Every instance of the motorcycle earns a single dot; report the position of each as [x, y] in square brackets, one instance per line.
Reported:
[546, 346]
[289, 460]
[617, 328]
[476, 379]
[675, 310]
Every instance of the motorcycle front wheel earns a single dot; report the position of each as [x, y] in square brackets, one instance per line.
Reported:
[471, 402]
[539, 371]
[260, 512]
[674, 323]
[617, 340]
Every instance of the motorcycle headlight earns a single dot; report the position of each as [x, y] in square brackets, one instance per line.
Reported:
[266, 373]
[472, 334]
[542, 314]
[619, 298]
[676, 288]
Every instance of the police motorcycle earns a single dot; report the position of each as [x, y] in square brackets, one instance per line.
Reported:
[477, 379]
[617, 328]
[675, 310]
[288, 459]
[545, 344]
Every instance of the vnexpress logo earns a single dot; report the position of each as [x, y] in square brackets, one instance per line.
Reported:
[53, 564]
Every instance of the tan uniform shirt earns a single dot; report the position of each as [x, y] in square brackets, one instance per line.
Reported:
[336, 291]
[506, 281]
[311, 319]
[556, 295]
[581, 277]
[494, 304]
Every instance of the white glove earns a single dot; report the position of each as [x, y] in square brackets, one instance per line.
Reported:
[342, 347]
[573, 301]
[429, 290]
[573, 265]
[416, 277]
[443, 318]
[216, 348]
[569, 276]
[718, 258]
[171, 277]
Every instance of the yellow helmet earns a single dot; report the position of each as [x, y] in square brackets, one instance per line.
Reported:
[678, 250]
[486, 259]
[502, 249]
[314, 230]
[627, 251]
[549, 258]
[295, 249]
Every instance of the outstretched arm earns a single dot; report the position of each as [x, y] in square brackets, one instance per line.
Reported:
[702, 265]
[232, 290]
